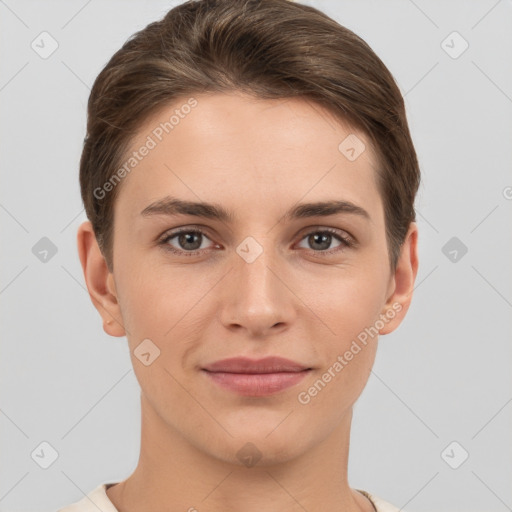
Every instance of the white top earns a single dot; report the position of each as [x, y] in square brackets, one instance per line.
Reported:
[97, 499]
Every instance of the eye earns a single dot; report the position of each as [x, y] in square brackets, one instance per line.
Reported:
[320, 240]
[189, 241]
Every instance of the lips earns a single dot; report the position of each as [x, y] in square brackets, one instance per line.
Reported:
[256, 378]
[270, 364]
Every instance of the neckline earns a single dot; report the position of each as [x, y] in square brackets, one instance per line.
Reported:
[364, 493]
[369, 497]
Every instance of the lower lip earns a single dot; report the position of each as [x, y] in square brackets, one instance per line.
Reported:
[256, 384]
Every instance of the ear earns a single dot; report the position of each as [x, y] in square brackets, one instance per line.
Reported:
[402, 282]
[100, 282]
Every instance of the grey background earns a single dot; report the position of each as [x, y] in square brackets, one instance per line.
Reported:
[443, 376]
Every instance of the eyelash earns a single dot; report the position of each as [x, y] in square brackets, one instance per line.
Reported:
[346, 242]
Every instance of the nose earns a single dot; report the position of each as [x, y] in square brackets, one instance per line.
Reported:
[256, 296]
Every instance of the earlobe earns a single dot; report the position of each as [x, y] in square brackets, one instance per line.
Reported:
[99, 281]
[398, 302]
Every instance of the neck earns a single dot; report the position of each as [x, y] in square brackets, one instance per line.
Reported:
[173, 474]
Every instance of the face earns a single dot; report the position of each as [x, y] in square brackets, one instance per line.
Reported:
[274, 276]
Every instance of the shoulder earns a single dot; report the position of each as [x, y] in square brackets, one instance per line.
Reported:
[379, 504]
[96, 499]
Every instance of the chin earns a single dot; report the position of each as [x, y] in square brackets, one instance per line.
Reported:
[249, 448]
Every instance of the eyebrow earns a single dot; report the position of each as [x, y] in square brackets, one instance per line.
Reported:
[171, 206]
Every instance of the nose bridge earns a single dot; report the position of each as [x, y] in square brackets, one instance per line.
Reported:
[255, 259]
[257, 297]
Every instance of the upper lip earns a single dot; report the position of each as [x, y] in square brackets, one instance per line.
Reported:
[270, 364]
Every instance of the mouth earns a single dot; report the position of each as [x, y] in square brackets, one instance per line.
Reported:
[261, 377]
[270, 364]
[256, 384]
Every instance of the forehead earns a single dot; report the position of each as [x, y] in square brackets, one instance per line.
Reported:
[243, 151]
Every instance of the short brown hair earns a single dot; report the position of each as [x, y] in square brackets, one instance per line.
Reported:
[266, 48]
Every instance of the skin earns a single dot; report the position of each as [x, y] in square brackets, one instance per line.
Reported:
[256, 158]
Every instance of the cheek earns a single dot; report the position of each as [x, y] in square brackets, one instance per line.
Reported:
[142, 296]
[346, 303]
[145, 286]
[347, 311]
[170, 307]
[153, 310]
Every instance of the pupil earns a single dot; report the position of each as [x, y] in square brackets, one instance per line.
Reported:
[324, 237]
[188, 238]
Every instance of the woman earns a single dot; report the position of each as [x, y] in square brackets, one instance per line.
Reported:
[249, 179]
